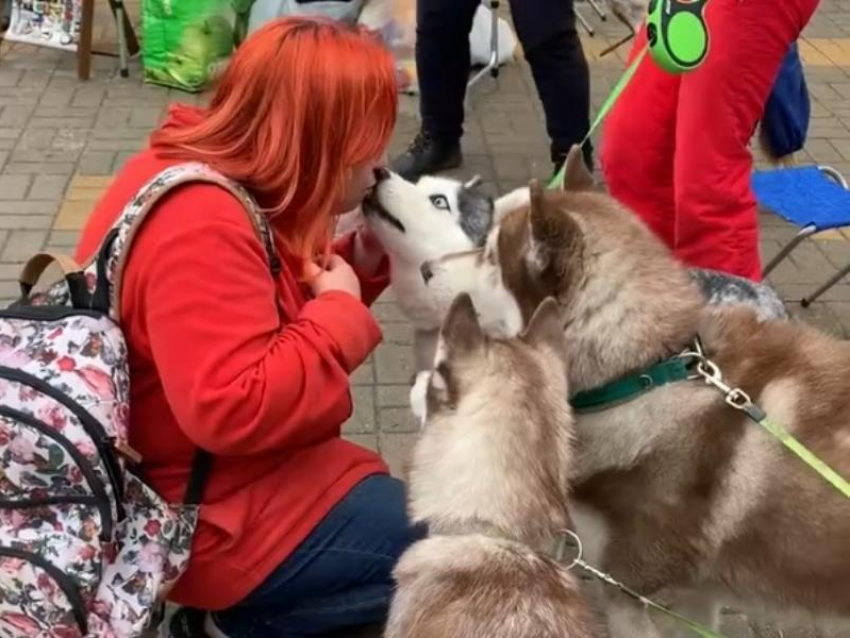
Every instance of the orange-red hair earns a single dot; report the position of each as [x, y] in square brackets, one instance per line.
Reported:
[302, 101]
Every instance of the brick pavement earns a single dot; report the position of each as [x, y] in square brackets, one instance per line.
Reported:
[61, 140]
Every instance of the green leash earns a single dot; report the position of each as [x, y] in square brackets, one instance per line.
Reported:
[560, 554]
[558, 180]
[740, 400]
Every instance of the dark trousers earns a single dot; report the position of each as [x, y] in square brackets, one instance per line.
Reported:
[340, 578]
[547, 31]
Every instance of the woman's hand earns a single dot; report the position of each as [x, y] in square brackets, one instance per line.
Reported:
[339, 275]
[368, 251]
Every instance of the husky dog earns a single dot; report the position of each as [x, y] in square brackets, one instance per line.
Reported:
[489, 476]
[439, 216]
[677, 494]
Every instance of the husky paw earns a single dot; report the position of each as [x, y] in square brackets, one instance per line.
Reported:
[418, 396]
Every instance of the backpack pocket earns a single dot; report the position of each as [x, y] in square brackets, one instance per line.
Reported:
[38, 598]
[43, 467]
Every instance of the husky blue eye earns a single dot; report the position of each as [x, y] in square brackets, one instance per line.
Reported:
[440, 201]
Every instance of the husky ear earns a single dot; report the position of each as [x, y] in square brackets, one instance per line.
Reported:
[461, 331]
[546, 327]
[555, 235]
[577, 177]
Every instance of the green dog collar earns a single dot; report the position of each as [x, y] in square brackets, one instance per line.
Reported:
[631, 387]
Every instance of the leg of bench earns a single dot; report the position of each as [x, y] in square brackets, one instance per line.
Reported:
[807, 301]
[807, 231]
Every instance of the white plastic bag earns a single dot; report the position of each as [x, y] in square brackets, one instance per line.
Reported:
[395, 21]
[479, 38]
[265, 10]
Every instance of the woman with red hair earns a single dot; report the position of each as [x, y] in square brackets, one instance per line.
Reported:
[299, 530]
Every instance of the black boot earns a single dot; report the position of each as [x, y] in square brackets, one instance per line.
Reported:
[427, 155]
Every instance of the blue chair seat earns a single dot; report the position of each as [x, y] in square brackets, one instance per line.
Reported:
[803, 196]
[812, 198]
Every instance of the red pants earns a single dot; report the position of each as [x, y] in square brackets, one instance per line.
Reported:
[675, 149]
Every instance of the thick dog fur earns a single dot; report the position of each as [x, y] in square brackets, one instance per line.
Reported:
[677, 494]
[438, 216]
[489, 477]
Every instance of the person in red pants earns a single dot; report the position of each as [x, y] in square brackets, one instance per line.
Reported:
[675, 148]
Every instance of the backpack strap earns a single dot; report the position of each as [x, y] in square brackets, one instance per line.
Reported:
[112, 256]
[115, 249]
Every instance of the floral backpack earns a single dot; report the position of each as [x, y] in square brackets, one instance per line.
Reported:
[87, 548]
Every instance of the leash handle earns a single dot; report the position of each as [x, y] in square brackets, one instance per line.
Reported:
[677, 34]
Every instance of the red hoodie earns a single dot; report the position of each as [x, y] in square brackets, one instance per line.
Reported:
[215, 362]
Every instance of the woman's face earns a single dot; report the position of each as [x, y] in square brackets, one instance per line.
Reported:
[361, 180]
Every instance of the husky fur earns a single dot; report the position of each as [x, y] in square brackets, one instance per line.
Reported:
[489, 477]
[677, 494]
[438, 216]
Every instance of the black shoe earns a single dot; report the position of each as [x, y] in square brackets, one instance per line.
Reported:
[427, 155]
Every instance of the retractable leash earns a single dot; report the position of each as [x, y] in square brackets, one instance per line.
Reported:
[677, 40]
[677, 34]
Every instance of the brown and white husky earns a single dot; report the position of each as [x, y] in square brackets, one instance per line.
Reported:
[680, 496]
[489, 478]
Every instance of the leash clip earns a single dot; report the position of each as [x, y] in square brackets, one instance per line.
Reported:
[709, 372]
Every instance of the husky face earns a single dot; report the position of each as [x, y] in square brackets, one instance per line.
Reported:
[427, 219]
[495, 446]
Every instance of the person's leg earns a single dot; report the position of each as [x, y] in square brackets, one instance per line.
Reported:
[340, 578]
[720, 104]
[550, 41]
[442, 67]
[638, 143]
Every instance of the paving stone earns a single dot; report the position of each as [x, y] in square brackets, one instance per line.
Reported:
[36, 168]
[399, 419]
[49, 187]
[15, 116]
[10, 222]
[363, 419]
[14, 186]
[393, 396]
[18, 207]
[23, 244]
[364, 375]
[96, 162]
[63, 238]
[10, 77]
[36, 138]
[394, 364]
[396, 449]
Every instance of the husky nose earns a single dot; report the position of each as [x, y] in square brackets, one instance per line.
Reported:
[381, 174]
[425, 270]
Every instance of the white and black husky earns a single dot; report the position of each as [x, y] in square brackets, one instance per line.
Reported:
[439, 216]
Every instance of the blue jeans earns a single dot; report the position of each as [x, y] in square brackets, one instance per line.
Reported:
[340, 577]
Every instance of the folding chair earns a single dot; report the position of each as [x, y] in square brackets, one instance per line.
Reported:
[812, 198]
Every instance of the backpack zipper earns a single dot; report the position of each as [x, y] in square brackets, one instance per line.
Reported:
[65, 582]
[86, 468]
[91, 425]
[47, 313]
[26, 503]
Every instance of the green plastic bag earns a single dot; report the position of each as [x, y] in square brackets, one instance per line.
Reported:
[187, 42]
